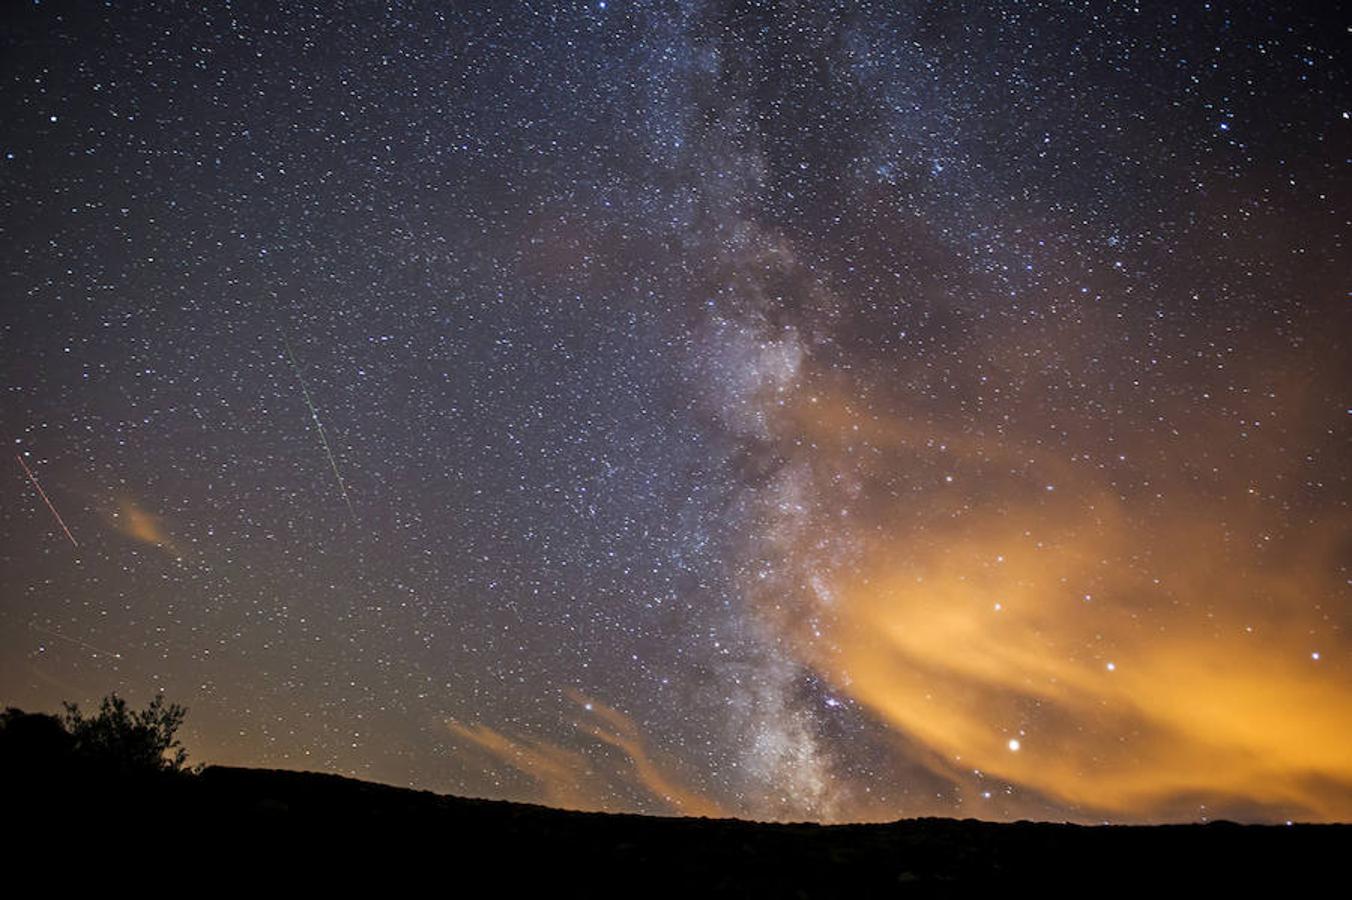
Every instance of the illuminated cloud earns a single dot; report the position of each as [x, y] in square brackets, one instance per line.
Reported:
[1113, 650]
[967, 655]
[143, 526]
[568, 778]
[619, 731]
[565, 777]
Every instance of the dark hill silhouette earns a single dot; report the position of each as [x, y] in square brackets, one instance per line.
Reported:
[334, 825]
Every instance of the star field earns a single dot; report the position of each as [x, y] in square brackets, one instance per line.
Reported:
[837, 411]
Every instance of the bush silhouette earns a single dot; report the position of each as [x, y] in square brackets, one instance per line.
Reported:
[33, 744]
[130, 742]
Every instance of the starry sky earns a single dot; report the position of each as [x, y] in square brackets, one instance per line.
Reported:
[833, 411]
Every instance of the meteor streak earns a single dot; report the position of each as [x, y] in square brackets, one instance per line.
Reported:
[323, 440]
[98, 651]
[43, 494]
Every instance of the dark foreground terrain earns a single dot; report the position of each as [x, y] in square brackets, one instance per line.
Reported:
[336, 824]
[103, 806]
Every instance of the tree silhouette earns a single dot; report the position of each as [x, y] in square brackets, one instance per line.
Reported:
[129, 741]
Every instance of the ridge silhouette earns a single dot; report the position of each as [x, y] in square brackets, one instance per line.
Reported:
[121, 776]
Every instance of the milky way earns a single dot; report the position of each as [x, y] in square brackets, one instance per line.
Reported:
[791, 411]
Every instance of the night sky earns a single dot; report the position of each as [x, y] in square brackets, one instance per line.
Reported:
[834, 411]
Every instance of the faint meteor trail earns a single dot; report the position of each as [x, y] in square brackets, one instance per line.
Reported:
[33, 478]
[88, 646]
[314, 413]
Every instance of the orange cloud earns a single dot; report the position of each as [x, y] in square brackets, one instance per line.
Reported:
[1140, 646]
[140, 525]
[621, 732]
[568, 779]
[1113, 708]
[565, 777]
